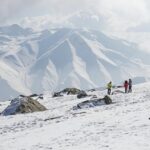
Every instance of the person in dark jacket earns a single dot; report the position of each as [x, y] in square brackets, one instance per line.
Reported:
[130, 85]
[126, 84]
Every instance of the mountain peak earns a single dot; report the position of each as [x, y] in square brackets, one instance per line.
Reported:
[68, 58]
[15, 30]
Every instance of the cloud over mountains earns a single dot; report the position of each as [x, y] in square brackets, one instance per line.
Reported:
[120, 14]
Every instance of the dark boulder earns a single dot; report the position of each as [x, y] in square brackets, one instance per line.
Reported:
[93, 103]
[57, 94]
[82, 94]
[90, 103]
[107, 100]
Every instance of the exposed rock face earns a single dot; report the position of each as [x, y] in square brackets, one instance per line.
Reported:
[93, 103]
[82, 94]
[23, 105]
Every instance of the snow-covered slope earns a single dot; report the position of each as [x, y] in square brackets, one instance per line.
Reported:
[58, 58]
[120, 126]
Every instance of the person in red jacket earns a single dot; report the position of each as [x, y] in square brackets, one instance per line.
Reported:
[126, 84]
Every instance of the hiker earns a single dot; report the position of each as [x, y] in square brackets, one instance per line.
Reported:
[130, 86]
[126, 84]
[109, 86]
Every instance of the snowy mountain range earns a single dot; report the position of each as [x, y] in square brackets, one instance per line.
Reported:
[33, 62]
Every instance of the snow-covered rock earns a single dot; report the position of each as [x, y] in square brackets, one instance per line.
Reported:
[67, 91]
[82, 94]
[93, 103]
[23, 105]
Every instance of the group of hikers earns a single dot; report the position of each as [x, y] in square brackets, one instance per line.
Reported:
[127, 86]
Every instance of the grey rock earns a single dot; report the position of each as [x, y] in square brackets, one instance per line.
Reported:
[23, 105]
[82, 94]
[93, 103]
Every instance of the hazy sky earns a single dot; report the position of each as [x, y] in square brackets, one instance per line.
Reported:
[120, 14]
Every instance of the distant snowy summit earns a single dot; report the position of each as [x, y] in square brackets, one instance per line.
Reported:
[51, 60]
[15, 30]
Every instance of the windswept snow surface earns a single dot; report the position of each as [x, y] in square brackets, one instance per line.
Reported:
[123, 125]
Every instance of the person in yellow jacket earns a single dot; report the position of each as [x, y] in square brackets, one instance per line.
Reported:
[109, 86]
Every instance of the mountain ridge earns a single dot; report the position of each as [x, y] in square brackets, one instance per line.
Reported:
[82, 58]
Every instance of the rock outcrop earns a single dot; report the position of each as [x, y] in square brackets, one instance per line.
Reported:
[71, 91]
[23, 105]
[82, 94]
[67, 91]
[57, 94]
[93, 103]
[107, 100]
